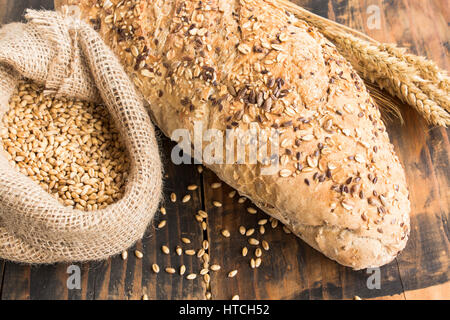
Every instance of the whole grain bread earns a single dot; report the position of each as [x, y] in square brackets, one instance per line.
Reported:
[339, 186]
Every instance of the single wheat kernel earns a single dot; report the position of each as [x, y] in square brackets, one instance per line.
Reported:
[162, 224]
[249, 232]
[274, 223]
[215, 267]
[204, 271]
[216, 185]
[191, 276]
[170, 270]
[262, 230]
[202, 214]
[251, 210]
[165, 249]
[200, 253]
[262, 222]
[226, 233]
[185, 240]
[138, 254]
[232, 273]
[286, 230]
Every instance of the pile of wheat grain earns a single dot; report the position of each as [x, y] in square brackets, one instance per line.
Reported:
[69, 147]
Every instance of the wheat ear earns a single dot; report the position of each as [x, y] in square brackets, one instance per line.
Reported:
[415, 80]
[435, 84]
[396, 76]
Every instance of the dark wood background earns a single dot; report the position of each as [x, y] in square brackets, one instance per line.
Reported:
[291, 269]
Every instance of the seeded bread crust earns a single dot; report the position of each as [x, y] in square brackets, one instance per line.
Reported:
[340, 187]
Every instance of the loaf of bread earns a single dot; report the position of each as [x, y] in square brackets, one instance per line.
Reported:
[229, 63]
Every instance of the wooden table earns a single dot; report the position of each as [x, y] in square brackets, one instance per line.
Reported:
[291, 269]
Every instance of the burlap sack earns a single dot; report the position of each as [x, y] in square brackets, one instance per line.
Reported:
[70, 59]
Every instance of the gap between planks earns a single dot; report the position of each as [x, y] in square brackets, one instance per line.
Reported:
[401, 280]
[205, 232]
[2, 276]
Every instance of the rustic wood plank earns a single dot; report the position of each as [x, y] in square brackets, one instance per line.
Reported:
[2, 269]
[131, 279]
[438, 292]
[26, 282]
[23, 281]
[423, 151]
[115, 278]
[13, 10]
[180, 223]
[16, 282]
[291, 269]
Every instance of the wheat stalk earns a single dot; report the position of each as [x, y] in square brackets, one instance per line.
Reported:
[413, 79]
[396, 76]
[434, 83]
[429, 70]
[387, 102]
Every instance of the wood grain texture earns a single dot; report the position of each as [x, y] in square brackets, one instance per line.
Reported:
[13, 10]
[2, 268]
[131, 279]
[423, 151]
[290, 269]
[438, 292]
